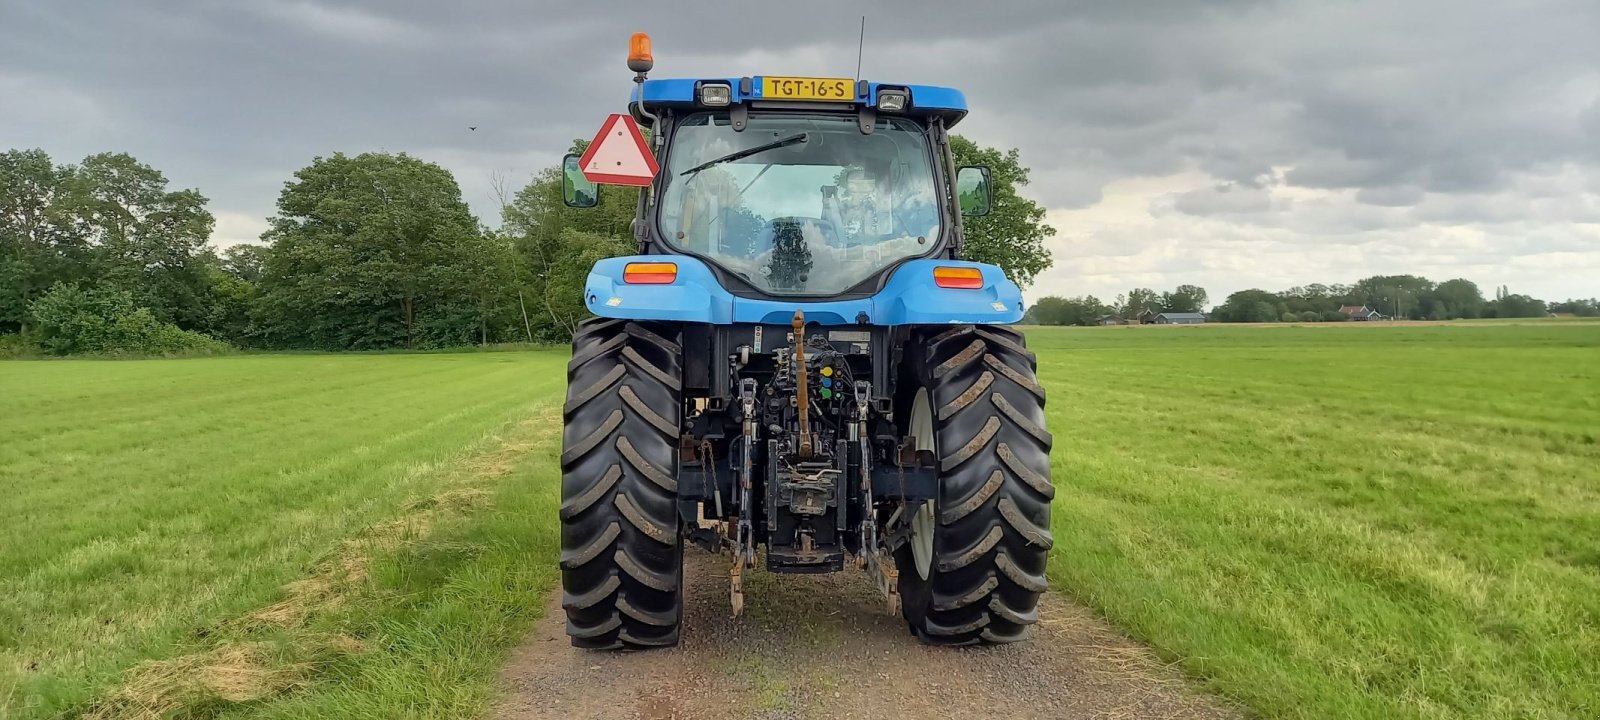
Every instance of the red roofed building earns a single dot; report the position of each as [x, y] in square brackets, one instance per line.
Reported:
[1360, 312]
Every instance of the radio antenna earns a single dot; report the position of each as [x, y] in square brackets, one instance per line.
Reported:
[861, 45]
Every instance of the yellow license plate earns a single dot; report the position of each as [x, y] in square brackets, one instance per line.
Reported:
[808, 88]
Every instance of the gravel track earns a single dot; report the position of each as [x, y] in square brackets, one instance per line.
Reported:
[824, 647]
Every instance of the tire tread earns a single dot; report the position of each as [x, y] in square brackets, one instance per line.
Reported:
[621, 550]
[993, 532]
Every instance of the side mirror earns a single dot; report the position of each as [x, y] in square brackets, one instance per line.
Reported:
[974, 190]
[576, 190]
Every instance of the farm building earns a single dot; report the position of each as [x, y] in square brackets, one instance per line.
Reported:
[1360, 313]
[1177, 318]
[1109, 320]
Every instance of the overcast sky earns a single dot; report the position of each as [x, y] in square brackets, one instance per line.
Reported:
[1226, 144]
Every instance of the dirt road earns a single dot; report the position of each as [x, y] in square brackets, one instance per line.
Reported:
[824, 647]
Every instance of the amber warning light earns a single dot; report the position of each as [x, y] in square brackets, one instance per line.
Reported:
[639, 58]
[650, 273]
[958, 277]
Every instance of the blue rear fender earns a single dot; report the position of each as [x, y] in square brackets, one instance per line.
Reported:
[910, 297]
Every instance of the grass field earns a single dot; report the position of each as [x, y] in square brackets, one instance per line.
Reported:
[153, 509]
[1371, 522]
[1381, 522]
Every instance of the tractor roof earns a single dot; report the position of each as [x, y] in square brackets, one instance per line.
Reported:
[924, 100]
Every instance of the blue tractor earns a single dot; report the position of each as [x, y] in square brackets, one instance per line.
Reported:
[798, 369]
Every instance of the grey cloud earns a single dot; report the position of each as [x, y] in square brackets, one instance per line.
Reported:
[1330, 171]
[1368, 96]
[1224, 199]
[1390, 196]
[346, 24]
[1395, 102]
[1463, 209]
[1316, 221]
[1509, 207]
[1233, 163]
[1073, 185]
[1589, 120]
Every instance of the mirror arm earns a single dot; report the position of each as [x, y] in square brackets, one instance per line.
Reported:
[643, 227]
[641, 112]
[952, 193]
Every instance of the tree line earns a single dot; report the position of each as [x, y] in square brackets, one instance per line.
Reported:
[1089, 310]
[371, 251]
[1409, 297]
[365, 252]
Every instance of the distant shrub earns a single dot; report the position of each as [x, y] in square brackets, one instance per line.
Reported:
[140, 332]
[72, 320]
[1333, 316]
[17, 345]
[1311, 316]
[1289, 317]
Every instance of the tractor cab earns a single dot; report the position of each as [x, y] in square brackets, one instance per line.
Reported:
[800, 187]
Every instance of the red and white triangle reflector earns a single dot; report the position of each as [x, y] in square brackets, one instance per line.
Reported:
[618, 156]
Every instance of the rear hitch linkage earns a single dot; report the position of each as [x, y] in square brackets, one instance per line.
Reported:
[744, 552]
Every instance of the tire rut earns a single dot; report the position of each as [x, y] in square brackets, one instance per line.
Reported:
[824, 647]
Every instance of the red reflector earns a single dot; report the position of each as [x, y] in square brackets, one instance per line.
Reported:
[958, 277]
[650, 273]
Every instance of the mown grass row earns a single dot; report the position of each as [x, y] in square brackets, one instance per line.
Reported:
[150, 503]
[1379, 523]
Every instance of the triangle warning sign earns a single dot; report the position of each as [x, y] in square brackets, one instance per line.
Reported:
[617, 155]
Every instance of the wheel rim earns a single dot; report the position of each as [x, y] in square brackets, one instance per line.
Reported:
[922, 525]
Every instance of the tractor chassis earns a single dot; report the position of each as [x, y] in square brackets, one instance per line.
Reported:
[856, 487]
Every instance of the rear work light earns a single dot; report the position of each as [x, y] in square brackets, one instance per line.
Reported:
[650, 273]
[715, 94]
[891, 100]
[958, 277]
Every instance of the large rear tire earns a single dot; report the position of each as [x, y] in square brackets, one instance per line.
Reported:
[974, 567]
[621, 553]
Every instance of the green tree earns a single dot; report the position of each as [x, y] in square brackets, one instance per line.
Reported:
[1315, 297]
[109, 221]
[144, 239]
[246, 261]
[1397, 295]
[1186, 298]
[39, 244]
[1251, 306]
[555, 246]
[374, 251]
[1578, 307]
[231, 310]
[1049, 310]
[1086, 310]
[1054, 310]
[1458, 298]
[492, 284]
[73, 320]
[1139, 301]
[1511, 305]
[1012, 235]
